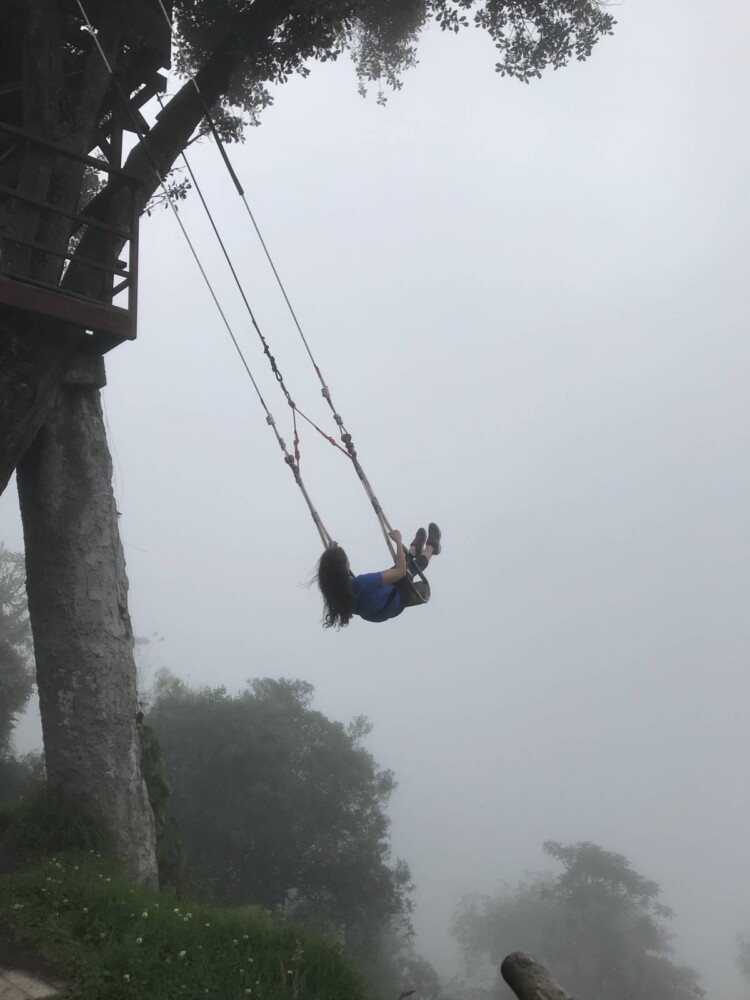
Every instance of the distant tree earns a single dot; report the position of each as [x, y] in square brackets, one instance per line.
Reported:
[278, 805]
[16, 678]
[597, 926]
[170, 855]
[392, 966]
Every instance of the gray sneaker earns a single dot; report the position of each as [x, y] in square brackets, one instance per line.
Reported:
[418, 544]
[433, 538]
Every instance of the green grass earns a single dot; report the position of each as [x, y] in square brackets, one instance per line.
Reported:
[114, 940]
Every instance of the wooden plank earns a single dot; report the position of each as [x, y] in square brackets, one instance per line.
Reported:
[34, 297]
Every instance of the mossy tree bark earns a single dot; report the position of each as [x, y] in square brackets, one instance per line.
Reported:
[83, 639]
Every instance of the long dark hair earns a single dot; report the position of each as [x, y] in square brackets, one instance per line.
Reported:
[335, 586]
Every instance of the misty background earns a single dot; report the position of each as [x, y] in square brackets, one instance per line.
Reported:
[530, 304]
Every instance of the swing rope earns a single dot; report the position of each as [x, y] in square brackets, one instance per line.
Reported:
[349, 448]
[256, 326]
[291, 460]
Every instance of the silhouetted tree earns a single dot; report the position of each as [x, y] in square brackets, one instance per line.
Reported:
[597, 926]
[278, 805]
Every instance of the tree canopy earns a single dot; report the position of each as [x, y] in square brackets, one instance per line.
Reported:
[278, 805]
[382, 36]
[597, 925]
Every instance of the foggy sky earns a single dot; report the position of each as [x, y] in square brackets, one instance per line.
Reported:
[531, 306]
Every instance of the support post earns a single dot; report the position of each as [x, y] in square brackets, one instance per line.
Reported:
[529, 980]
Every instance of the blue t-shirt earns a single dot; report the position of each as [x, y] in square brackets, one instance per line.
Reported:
[372, 596]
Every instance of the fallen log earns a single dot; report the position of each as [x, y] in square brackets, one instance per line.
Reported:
[529, 980]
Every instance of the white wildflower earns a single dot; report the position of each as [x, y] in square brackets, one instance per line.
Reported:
[139, 940]
[144, 914]
[126, 977]
[181, 954]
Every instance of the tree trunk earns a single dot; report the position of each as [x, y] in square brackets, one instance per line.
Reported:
[83, 639]
[32, 362]
[529, 980]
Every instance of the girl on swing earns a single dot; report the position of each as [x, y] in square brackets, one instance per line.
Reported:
[376, 597]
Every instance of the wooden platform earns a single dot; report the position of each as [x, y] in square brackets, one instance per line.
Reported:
[113, 322]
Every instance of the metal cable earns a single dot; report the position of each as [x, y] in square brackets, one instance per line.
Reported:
[290, 460]
[345, 436]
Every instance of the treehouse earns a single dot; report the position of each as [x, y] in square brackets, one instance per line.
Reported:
[63, 262]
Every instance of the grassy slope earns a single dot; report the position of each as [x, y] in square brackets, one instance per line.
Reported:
[114, 940]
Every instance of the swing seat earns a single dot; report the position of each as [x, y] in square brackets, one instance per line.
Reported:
[418, 590]
[421, 591]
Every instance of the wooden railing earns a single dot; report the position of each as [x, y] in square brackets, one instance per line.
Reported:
[89, 309]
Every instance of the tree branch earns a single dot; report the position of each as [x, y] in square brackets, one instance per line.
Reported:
[250, 38]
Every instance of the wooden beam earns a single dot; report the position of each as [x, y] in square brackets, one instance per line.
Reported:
[117, 268]
[55, 147]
